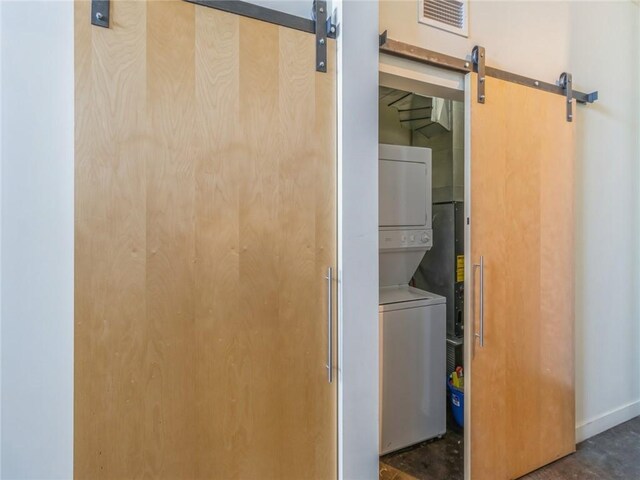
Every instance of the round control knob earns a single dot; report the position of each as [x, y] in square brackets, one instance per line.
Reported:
[425, 238]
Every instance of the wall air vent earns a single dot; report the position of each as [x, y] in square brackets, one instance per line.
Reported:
[449, 15]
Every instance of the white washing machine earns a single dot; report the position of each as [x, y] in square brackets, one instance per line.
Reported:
[412, 321]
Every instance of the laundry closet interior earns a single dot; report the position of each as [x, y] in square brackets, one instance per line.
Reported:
[421, 217]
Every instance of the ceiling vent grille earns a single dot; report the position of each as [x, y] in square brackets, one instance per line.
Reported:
[449, 15]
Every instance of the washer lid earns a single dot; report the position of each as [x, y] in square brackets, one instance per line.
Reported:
[403, 296]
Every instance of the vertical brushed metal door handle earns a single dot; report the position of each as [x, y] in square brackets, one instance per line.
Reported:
[481, 334]
[329, 278]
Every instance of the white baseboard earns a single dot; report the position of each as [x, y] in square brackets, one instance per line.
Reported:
[607, 420]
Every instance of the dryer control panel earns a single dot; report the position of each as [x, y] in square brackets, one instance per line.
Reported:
[405, 239]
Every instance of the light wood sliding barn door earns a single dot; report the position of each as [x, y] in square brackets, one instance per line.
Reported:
[522, 223]
[205, 224]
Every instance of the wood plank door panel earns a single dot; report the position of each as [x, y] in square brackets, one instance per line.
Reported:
[522, 380]
[205, 223]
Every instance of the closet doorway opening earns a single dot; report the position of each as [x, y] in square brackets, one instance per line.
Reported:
[422, 279]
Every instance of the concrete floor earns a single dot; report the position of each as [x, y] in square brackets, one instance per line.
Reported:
[612, 455]
[430, 460]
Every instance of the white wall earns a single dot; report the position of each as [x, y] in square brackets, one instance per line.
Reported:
[292, 7]
[598, 42]
[300, 8]
[37, 240]
[1, 3]
[607, 307]
[358, 239]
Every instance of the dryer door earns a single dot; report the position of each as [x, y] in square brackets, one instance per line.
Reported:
[405, 187]
[403, 194]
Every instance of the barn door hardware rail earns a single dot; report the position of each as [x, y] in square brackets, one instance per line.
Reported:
[320, 25]
[566, 82]
[429, 57]
[320, 17]
[100, 13]
[477, 55]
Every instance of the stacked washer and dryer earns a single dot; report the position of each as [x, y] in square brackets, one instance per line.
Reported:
[412, 321]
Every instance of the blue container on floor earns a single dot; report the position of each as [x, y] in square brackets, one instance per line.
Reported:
[457, 403]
